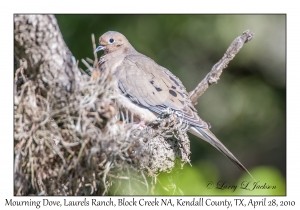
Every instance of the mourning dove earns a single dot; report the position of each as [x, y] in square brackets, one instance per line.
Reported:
[148, 88]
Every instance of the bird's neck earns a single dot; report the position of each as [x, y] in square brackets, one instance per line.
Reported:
[129, 50]
[118, 53]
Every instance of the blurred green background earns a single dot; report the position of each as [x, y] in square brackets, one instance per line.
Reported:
[247, 108]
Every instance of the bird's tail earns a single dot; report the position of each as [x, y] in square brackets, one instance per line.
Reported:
[208, 136]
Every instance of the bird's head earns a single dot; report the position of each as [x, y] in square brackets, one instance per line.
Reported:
[113, 41]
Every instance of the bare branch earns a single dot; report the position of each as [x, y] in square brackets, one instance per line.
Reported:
[214, 75]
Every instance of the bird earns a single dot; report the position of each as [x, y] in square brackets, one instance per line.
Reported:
[147, 89]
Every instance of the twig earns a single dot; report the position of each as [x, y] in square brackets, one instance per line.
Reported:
[118, 177]
[23, 65]
[106, 170]
[94, 48]
[90, 69]
[214, 75]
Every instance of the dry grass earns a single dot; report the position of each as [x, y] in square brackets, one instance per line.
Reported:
[83, 148]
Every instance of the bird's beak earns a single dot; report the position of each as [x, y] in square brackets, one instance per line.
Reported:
[99, 48]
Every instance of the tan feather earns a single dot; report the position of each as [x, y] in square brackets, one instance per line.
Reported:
[152, 87]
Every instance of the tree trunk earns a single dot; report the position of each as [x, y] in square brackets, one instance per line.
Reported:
[67, 134]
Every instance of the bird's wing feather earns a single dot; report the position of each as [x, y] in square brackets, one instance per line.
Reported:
[151, 86]
[209, 137]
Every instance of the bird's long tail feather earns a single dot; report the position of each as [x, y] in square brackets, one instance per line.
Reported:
[208, 136]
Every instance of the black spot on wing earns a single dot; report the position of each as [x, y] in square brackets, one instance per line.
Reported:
[153, 93]
[131, 98]
[121, 87]
[173, 93]
[174, 80]
[182, 102]
[180, 94]
[157, 88]
[173, 87]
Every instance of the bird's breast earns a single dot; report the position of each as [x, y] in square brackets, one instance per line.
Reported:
[112, 63]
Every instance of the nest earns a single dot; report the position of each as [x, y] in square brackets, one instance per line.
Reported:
[82, 147]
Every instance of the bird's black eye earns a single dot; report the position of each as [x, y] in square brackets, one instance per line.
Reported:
[111, 40]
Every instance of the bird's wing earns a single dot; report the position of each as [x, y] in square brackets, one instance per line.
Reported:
[151, 86]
